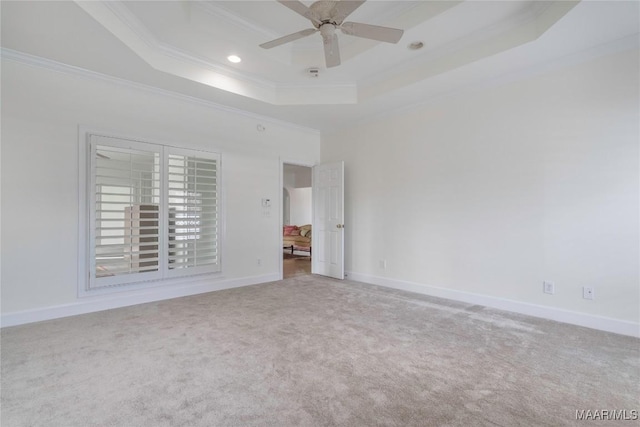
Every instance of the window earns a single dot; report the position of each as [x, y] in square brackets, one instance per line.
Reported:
[153, 212]
[193, 211]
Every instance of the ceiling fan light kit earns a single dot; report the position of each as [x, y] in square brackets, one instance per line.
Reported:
[327, 16]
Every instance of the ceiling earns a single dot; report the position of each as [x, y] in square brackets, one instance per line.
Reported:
[182, 47]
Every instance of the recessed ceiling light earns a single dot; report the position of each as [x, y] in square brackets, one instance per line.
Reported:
[234, 58]
[416, 45]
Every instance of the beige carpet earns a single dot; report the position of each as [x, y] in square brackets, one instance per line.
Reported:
[312, 352]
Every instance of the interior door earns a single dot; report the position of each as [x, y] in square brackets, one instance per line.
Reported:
[328, 220]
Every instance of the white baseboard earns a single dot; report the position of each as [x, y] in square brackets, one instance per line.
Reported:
[110, 301]
[572, 317]
[90, 305]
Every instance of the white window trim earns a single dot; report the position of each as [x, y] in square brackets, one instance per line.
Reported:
[165, 277]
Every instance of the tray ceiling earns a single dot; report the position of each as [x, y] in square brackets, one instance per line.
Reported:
[193, 39]
[182, 47]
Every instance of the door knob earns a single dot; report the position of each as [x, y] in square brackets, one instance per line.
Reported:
[339, 225]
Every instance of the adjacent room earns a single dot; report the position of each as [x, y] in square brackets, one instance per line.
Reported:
[297, 229]
[298, 213]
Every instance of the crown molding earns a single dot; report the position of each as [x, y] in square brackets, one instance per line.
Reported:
[51, 65]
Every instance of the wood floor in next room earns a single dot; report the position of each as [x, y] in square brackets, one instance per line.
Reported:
[295, 265]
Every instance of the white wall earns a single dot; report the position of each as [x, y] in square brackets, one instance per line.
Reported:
[303, 177]
[300, 205]
[297, 180]
[486, 194]
[296, 176]
[41, 112]
[289, 178]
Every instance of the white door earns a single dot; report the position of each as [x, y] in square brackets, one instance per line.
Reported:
[328, 220]
[286, 207]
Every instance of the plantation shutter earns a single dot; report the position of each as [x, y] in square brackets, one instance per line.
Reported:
[125, 212]
[153, 212]
[193, 214]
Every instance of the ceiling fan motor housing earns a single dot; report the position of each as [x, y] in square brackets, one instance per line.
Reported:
[327, 30]
[322, 11]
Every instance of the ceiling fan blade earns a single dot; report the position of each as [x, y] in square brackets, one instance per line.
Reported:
[300, 9]
[331, 51]
[374, 32]
[289, 38]
[344, 8]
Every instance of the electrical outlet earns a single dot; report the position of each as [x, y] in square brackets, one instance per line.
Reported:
[548, 288]
[259, 261]
[588, 292]
[383, 264]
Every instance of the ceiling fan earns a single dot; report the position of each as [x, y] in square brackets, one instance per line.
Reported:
[327, 16]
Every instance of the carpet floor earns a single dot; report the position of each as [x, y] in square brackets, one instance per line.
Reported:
[310, 351]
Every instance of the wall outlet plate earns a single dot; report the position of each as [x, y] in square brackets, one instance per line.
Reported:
[548, 288]
[588, 292]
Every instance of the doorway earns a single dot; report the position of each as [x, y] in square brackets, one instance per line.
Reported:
[297, 245]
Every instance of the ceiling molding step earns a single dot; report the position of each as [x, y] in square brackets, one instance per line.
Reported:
[485, 43]
[121, 22]
[181, 55]
[131, 21]
[134, 24]
[321, 95]
[471, 41]
[627, 43]
[50, 65]
[215, 9]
